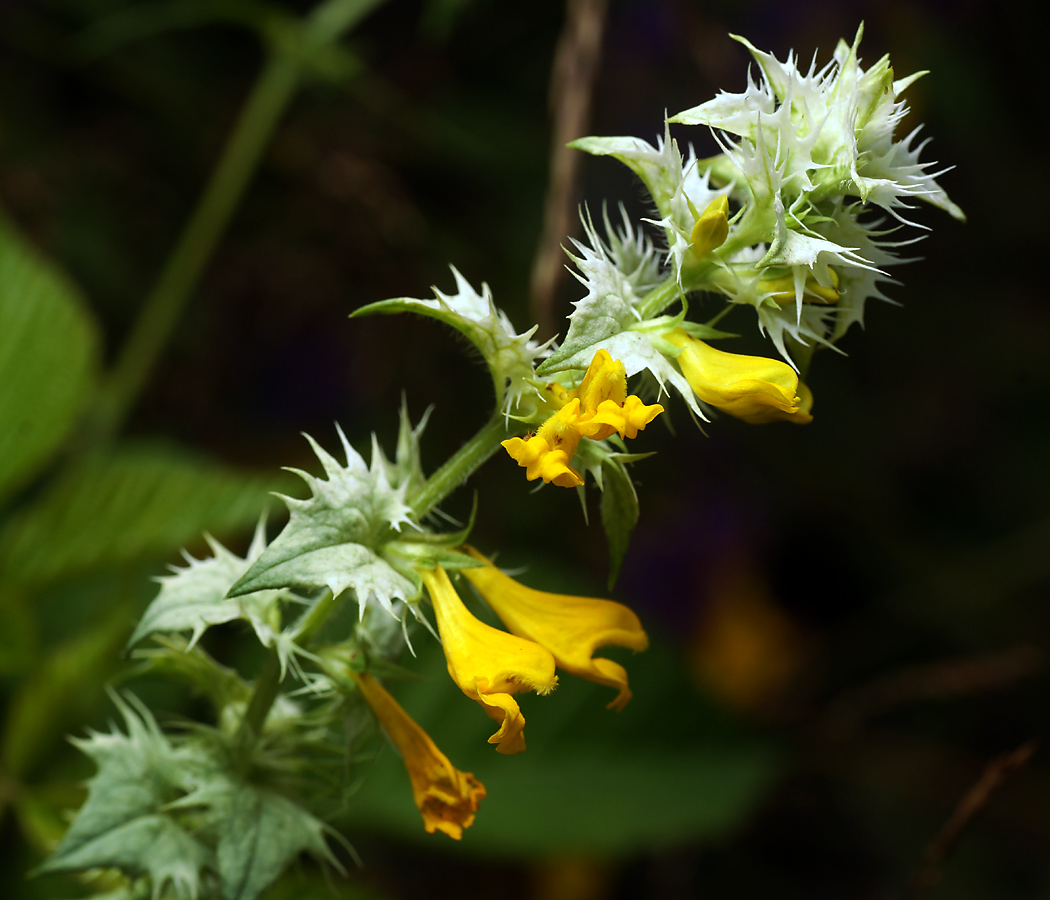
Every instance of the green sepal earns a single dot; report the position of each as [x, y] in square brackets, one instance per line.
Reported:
[429, 556]
[448, 539]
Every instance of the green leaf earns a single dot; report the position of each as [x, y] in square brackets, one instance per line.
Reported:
[124, 823]
[18, 632]
[619, 514]
[134, 501]
[334, 539]
[48, 359]
[194, 597]
[60, 690]
[259, 833]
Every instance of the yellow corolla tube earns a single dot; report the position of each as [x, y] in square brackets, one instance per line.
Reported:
[447, 798]
[571, 628]
[752, 388]
[487, 664]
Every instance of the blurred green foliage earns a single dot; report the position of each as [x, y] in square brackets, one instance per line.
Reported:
[902, 537]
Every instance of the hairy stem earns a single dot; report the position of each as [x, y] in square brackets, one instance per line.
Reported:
[462, 464]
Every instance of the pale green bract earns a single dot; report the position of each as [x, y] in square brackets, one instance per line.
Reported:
[510, 356]
[804, 155]
[338, 537]
[195, 596]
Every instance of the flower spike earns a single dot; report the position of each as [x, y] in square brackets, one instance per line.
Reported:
[488, 665]
[447, 798]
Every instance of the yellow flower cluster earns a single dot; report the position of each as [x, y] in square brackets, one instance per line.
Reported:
[546, 630]
[490, 666]
[598, 408]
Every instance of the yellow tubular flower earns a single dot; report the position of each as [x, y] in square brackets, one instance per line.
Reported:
[447, 798]
[752, 388]
[712, 228]
[596, 409]
[488, 665]
[571, 628]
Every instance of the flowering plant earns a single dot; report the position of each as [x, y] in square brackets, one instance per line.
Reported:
[797, 217]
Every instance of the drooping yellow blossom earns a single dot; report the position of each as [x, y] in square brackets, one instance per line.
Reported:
[487, 664]
[447, 798]
[596, 409]
[571, 628]
[712, 227]
[752, 388]
[782, 290]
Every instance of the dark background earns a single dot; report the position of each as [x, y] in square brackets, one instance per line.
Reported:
[867, 593]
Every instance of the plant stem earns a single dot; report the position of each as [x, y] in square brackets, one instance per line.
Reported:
[264, 693]
[240, 159]
[463, 463]
[659, 298]
[195, 246]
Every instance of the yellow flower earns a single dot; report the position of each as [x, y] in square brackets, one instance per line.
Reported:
[782, 290]
[447, 798]
[752, 388]
[595, 409]
[488, 665]
[711, 228]
[571, 628]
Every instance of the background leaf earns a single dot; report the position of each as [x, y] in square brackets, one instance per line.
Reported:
[48, 357]
[137, 500]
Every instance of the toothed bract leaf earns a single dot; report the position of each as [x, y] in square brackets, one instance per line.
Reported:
[659, 167]
[259, 833]
[125, 822]
[335, 538]
[195, 597]
[827, 133]
[510, 356]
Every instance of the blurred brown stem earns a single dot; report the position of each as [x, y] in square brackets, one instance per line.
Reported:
[972, 802]
[572, 82]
